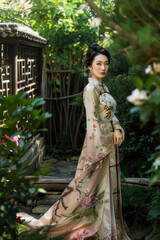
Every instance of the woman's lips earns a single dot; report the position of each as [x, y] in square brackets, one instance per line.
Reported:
[102, 73]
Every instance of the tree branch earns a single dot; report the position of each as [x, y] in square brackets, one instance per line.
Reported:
[123, 50]
[109, 22]
[149, 15]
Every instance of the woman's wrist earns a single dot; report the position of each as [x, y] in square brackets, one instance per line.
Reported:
[117, 126]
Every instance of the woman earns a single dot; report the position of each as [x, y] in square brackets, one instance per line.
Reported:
[90, 207]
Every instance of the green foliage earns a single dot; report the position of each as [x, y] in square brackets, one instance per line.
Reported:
[12, 11]
[138, 26]
[22, 117]
[141, 207]
[150, 111]
[64, 140]
[63, 23]
[51, 152]
[78, 100]
[66, 26]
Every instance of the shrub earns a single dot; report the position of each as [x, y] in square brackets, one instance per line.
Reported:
[18, 117]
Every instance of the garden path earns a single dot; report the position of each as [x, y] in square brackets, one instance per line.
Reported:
[62, 172]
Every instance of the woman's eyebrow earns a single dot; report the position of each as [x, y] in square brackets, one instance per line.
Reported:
[101, 61]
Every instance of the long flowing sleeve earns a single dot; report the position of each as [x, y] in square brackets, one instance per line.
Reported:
[99, 142]
[116, 124]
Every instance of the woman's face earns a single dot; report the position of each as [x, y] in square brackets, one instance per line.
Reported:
[99, 67]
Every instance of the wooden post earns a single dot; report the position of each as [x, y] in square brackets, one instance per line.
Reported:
[14, 70]
[39, 72]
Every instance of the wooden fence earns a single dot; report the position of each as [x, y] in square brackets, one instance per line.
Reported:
[60, 88]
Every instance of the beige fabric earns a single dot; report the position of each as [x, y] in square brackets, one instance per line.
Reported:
[90, 207]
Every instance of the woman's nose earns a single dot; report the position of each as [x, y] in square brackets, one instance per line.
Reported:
[103, 67]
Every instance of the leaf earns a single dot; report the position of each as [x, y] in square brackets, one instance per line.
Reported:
[73, 158]
[47, 115]
[58, 82]
[56, 90]
[155, 211]
[157, 148]
[134, 109]
[29, 109]
[32, 190]
[41, 190]
[21, 143]
[45, 170]
[21, 226]
[38, 101]
[145, 114]
[155, 178]
[149, 82]
[155, 97]
[138, 83]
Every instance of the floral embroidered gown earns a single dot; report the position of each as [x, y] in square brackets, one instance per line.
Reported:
[90, 207]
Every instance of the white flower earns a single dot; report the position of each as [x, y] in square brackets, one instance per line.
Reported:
[137, 96]
[156, 163]
[106, 34]
[96, 22]
[156, 68]
[148, 69]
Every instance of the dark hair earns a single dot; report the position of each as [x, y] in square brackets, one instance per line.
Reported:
[94, 50]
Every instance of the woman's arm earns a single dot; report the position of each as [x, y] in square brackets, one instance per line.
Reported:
[99, 143]
[119, 133]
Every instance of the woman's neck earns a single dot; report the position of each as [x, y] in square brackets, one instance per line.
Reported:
[98, 79]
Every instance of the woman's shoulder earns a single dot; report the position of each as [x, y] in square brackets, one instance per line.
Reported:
[90, 88]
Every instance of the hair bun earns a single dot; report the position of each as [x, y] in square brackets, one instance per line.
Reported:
[93, 50]
[94, 46]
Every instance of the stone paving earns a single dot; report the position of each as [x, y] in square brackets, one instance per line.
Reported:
[60, 168]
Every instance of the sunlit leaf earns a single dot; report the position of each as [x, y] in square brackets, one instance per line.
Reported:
[138, 83]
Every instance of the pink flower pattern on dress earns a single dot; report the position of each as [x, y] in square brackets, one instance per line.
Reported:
[90, 201]
[99, 155]
[82, 234]
[87, 165]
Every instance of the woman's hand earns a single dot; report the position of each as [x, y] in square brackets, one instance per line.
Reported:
[118, 137]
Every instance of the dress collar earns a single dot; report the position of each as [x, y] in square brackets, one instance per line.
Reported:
[94, 81]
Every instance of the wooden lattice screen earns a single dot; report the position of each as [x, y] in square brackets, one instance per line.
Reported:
[20, 71]
[20, 60]
[5, 70]
[28, 71]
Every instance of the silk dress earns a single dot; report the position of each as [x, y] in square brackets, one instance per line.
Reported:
[90, 207]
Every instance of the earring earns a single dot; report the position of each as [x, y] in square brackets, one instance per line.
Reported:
[90, 74]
